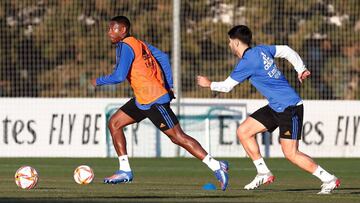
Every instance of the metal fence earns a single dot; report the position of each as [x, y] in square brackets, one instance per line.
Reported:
[52, 48]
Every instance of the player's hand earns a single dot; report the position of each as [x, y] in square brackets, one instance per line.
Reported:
[93, 82]
[203, 81]
[172, 93]
[302, 76]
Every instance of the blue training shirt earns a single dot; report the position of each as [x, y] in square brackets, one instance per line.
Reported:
[257, 65]
[124, 58]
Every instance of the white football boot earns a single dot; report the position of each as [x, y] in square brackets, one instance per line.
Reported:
[327, 188]
[260, 179]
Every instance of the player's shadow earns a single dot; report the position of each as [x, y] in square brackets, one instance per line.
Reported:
[169, 197]
[46, 188]
[356, 192]
[316, 189]
[299, 190]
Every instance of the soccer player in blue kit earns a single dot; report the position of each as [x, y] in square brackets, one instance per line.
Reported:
[285, 108]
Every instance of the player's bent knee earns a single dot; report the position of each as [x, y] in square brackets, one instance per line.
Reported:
[114, 124]
[290, 155]
[242, 133]
[180, 138]
[175, 140]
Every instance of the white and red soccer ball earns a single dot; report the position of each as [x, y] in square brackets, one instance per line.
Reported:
[83, 175]
[26, 177]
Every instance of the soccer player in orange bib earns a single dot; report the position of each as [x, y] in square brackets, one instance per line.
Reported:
[149, 73]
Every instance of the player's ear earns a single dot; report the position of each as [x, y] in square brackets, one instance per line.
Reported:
[123, 30]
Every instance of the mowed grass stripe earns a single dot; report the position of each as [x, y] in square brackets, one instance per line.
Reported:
[175, 180]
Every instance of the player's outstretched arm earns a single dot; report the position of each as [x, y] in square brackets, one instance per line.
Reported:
[284, 51]
[223, 86]
[124, 58]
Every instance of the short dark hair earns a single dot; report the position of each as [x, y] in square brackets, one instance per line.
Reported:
[124, 21]
[242, 33]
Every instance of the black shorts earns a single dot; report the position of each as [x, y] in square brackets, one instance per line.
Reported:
[160, 115]
[290, 121]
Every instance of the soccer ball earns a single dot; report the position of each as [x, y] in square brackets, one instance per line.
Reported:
[26, 177]
[83, 175]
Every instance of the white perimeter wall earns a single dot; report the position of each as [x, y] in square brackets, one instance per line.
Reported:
[77, 128]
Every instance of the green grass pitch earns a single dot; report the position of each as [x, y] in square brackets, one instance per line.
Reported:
[175, 180]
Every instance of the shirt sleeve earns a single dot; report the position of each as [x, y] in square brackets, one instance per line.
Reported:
[224, 86]
[243, 70]
[284, 51]
[272, 49]
[163, 59]
[124, 58]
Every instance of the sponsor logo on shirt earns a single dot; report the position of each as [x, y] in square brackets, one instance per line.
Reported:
[270, 67]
